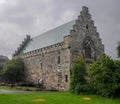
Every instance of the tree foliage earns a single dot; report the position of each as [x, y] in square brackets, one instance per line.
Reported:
[78, 80]
[105, 77]
[118, 49]
[13, 70]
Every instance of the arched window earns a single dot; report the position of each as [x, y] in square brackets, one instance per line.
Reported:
[87, 52]
[87, 47]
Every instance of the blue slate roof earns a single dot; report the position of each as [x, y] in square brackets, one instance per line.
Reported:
[51, 37]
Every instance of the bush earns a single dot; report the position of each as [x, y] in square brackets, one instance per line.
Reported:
[78, 80]
[105, 77]
[13, 71]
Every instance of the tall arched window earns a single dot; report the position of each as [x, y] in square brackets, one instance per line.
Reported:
[87, 52]
[87, 47]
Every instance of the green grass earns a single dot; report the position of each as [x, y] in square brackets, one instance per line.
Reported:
[18, 88]
[54, 98]
[7, 88]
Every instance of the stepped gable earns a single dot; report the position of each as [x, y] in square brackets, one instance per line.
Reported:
[22, 46]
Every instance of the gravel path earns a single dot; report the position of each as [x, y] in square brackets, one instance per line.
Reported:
[2, 91]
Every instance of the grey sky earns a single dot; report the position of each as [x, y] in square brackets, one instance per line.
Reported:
[21, 17]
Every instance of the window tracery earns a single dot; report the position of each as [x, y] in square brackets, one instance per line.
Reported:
[87, 47]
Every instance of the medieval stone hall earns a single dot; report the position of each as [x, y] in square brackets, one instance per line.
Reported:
[49, 57]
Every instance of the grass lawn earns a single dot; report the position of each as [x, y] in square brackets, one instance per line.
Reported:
[7, 88]
[54, 98]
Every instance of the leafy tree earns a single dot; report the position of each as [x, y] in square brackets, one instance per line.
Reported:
[13, 70]
[78, 81]
[117, 75]
[105, 77]
[118, 49]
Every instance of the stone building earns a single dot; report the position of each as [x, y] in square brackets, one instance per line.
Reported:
[49, 57]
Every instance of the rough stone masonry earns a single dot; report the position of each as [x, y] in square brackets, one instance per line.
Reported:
[49, 57]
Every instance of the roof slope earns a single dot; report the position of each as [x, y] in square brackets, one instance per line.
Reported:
[51, 37]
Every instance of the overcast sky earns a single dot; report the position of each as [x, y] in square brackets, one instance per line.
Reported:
[21, 17]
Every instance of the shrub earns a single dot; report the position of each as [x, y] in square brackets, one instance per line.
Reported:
[78, 80]
[105, 77]
[13, 70]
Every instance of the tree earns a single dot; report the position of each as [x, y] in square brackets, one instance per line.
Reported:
[105, 77]
[118, 49]
[78, 80]
[13, 70]
[117, 75]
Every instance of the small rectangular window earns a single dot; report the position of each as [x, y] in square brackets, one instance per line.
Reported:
[66, 78]
[58, 59]
[41, 65]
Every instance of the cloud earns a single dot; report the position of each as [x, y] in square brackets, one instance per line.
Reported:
[21, 17]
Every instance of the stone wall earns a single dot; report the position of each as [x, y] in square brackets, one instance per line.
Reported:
[49, 66]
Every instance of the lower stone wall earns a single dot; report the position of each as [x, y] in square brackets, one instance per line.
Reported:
[51, 69]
